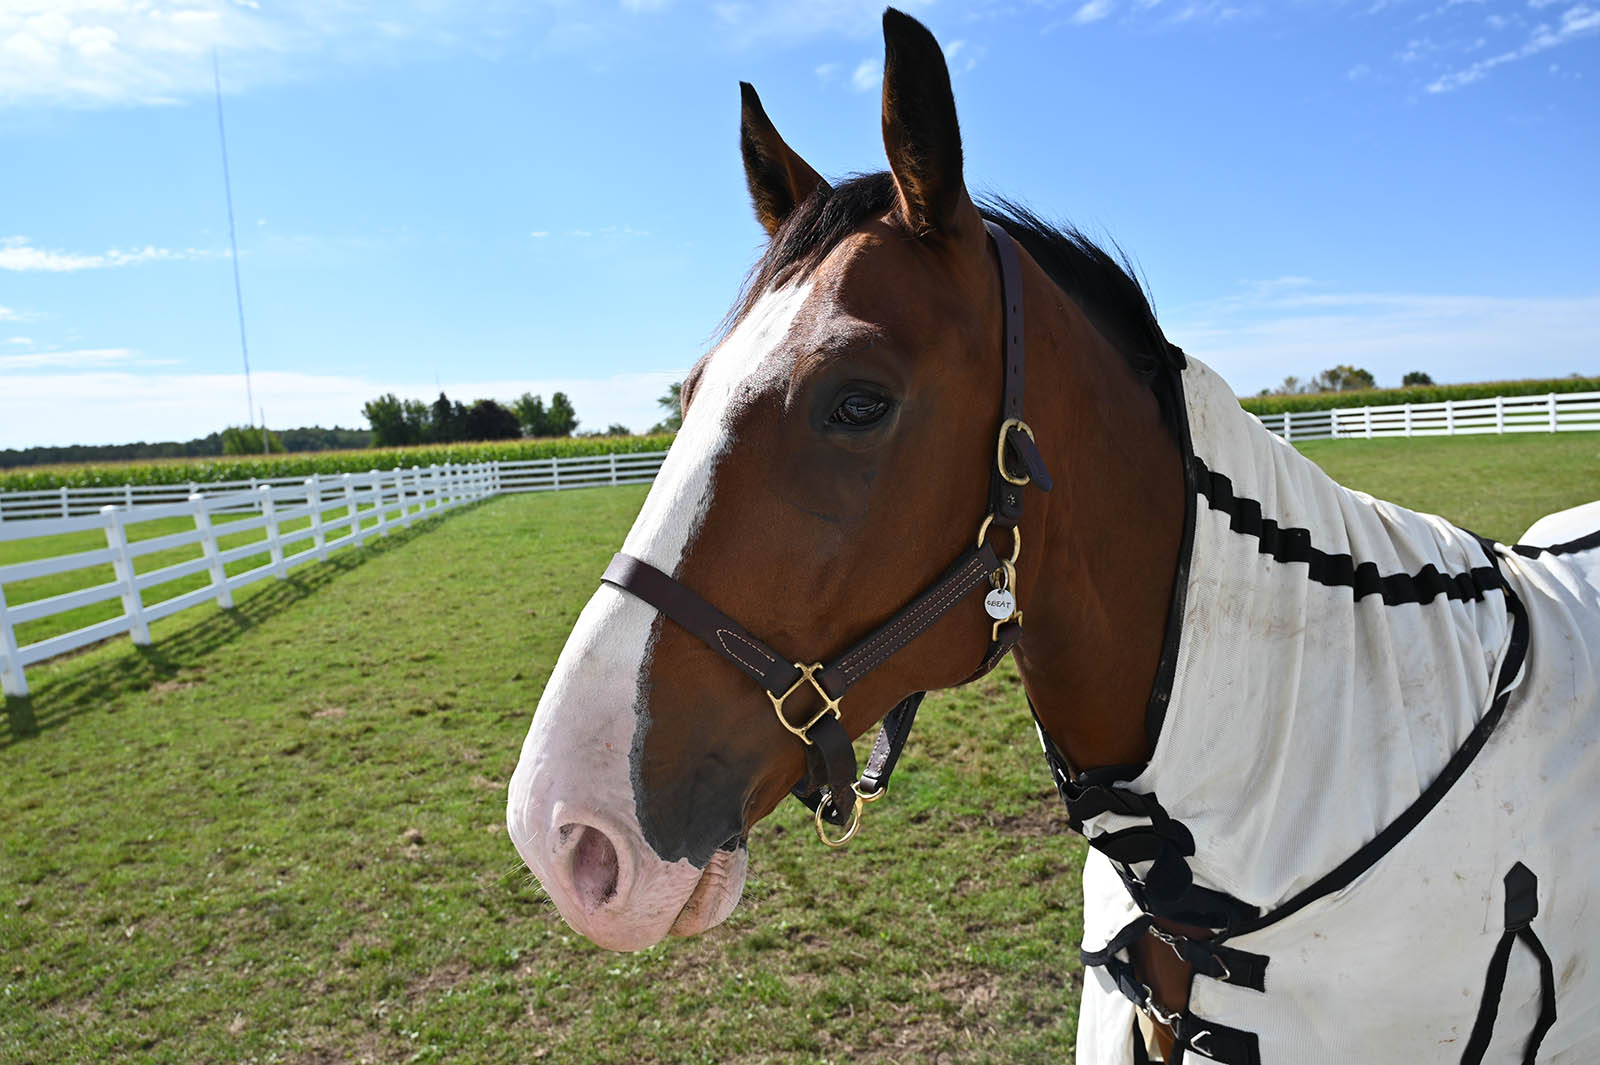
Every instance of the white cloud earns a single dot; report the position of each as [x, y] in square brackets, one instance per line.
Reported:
[108, 407]
[539, 234]
[826, 71]
[71, 360]
[9, 315]
[868, 75]
[20, 340]
[1296, 326]
[1577, 21]
[645, 6]
[18, 253]
[1093, 11]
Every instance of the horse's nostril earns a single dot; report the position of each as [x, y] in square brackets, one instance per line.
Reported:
[594, 865]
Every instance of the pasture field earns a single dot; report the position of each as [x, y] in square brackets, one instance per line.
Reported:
[277, 835]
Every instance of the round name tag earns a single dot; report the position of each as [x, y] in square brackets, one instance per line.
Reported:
[1000, 603]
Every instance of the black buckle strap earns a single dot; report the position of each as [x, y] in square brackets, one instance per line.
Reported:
[1522, 906]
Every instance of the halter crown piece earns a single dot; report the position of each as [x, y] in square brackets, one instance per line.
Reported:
[830, 787]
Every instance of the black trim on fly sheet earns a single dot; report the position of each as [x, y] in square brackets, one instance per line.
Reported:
[1293, 544]
[1570, 547]
[1369, 855]
[1155, 714]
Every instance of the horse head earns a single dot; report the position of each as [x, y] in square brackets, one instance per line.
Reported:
[837, 452]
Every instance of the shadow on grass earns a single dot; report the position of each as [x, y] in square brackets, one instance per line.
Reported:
[75, 691]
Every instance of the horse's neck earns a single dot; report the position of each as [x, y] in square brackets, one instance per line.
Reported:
[1100, 551]
[1324, 672]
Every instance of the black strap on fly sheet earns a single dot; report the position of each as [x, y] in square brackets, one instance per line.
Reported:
[1522, 906]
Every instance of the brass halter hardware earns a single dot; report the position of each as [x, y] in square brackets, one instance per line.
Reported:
[1000, 450]
[829, 705]
[1016, 537]
[862, 798]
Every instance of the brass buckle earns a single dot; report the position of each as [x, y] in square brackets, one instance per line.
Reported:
[850, 829]
[830, 706]
[994, 630]
[1016, 537]
[1000, 450]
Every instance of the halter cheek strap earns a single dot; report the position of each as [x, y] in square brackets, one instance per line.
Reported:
[830, 787]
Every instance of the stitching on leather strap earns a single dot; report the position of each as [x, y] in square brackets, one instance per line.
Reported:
[919, 619]
[722, 638]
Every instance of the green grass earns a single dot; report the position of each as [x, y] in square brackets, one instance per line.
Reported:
[1494, 485]
[207, 848]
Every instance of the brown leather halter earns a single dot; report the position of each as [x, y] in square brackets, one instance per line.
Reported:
[830, 787]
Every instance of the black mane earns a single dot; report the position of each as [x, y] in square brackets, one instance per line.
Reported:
[1101, 284]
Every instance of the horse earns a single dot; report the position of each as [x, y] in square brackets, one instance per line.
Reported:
[1337, 761]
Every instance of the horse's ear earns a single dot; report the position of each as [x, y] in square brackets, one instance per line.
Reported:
[920, 132]
[779, 179]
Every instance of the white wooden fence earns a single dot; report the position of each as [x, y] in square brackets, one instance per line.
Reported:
[1554, 412]
[339, 510]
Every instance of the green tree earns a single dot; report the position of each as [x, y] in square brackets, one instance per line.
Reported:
[449, 420]
[562, 419]
[246, 440]
[672, 403]
[1342, 378]
[530, 412]
[386, 415]
[418, 422]
[1415, 378]
[488, 420]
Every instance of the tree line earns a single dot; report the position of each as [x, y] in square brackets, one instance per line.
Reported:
[235, 440]
[1341, 378]
[399, 422]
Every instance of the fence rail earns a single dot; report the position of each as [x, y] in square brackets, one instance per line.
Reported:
[323, 512]
[1554, 412]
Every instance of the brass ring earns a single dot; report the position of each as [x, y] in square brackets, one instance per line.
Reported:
[1016, 537]
[849, 829]
[869, 796]
[1000, 450]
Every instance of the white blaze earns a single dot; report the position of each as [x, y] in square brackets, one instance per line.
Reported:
[575, 761]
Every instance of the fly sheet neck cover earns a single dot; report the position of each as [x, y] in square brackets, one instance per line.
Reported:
[1374, 716]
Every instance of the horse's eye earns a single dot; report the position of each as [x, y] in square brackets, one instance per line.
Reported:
[859, 410]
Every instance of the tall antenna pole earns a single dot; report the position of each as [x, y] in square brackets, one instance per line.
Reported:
[233, 245]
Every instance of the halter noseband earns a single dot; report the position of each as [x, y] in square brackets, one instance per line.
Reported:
[830, 787]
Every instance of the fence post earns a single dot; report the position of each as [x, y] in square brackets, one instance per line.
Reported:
[66, 503]
[127, 495]
[1333, 423]
[12, 679]
[1366, 418]
[212, 551]
[416, 479]
[555, 473]
[1408, 419]
[269, 508]
[1449, 417]
[613, 457]
[1553, 421]
[1500, 414]
[122, 565]
[1288, 427]
[351, 508]
[319, 539]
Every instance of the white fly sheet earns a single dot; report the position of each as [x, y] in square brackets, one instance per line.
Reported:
[1337, 656]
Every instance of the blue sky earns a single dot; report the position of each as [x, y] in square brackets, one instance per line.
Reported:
[499, 197]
